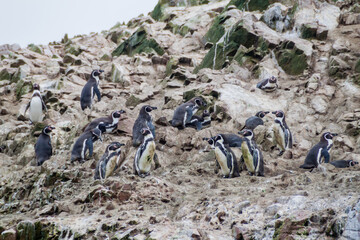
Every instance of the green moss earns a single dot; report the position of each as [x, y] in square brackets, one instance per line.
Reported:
[157, 13]
[5, 75]
[34, 48]
[22, 88]
[216, 30]
[132, 101]
[291, 59]
[250, 5]
[73, 49]
[170, 66]
[308, 31]
[190, 94]
[357, 66]
[138, 43]
[25, 231]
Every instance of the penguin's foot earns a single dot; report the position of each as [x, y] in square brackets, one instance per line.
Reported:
[281, 153]
[251, 174]
[142, 175]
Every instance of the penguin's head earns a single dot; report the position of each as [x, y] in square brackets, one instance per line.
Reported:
[261, 114]
[211, 141]
[279, 114]
[272, 79]
[352, 163]
[145, 131]
[247, 133]
[149, 108]
[48, 129]
[36, 86]
[97, 132]
[117, 114]
[96, 73]
[199, 101]
[328, 136]
[219, 138]
[114, 146]
[206, 113]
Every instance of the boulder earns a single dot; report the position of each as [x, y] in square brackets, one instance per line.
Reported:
[277, 18]
[118, 75]
[139, 42]
[8, 235]
[291, 59]
[34, 48]
[26, 230]
[251, 5]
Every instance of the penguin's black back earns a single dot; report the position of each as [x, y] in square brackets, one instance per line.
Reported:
[85, 98]
[140, 123]
[341, 163]
[253, 122]
[43, 149]
[232, 140]
[93, 124]
[311, 157]
[78, 145]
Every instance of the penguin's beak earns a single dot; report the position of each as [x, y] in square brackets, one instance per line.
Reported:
[334, 134]
[122, 111]
[121, 144]
[266, 112]
[154, 108]
[241, 132]
[275, 112]
[101, 71]
[205, 139]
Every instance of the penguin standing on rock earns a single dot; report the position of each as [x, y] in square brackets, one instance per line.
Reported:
[251, 155]
[319, 151]
[43, 148]
[283, 136]
[268, 84]
[184, 113]
[144, 120]
[86, 142]
[145, 154]
[90, 89]
[110, 122]
[344, 163]
[224, 157]
[37, 105]
[199, 122]
[254, 121]
[109, 162]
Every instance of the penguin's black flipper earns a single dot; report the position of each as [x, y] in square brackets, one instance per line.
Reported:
[326, 155]
[27, 107]
[188, 115]
[43, 105]
[90, 146]
[97, 92]
[152, 128]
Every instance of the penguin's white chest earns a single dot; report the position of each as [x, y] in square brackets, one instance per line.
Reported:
[248, 158]
[222, 160]
[147, 157]
[36, 114]
[111, 165]
[279, 136]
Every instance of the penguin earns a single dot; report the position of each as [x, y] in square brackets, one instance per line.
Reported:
[268, 84]
[43, 148]
[184, 113]
[251, 154]
[90, 89]
[254, 121]
[109, 162]
[225, 158]
[144, 120]
[283, 136]
[319, 151]
[110, 122]
[230, 139]
[199, 122]
[85, 142]
[145, 154]
[344, 163]
[36, 105]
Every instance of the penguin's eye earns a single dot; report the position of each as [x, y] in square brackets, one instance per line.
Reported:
[148, 109]
[198, 102]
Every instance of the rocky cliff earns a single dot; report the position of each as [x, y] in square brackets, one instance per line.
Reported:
[215, 49]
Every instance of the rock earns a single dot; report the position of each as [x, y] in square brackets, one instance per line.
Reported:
[72, 59]
[34, 48]
[7, 73]
[290, 58]
[118, 75]
[132, 101]
[26, 230]
[352, 225]
[349, 18]
[337, 67]
[277, 18]
[336, 227]
[8, 235]
[357, 66]
[22, 88]
[250, 5]
[22, 72]
[319, 104]
[52, 68]
[308, 30]
[7, 48]
[139, 42]
[18, 62]
[243, 205]
[237, 233]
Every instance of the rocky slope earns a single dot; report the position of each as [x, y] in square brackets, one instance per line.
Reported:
[215, 49]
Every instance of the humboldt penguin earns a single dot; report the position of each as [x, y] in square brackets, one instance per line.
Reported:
[282, 134]
[254, 121]
[319, 151]
[109, 162]
[225, 158]
[251, 154]
[37, 105]
[199, 122]
[110, 122]
[268, 84]
[144, 120]
[145, 154]
[184, 113]
[90, 89]
[230, 139]
[43, 148]
[344, 163]
[86, 142]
